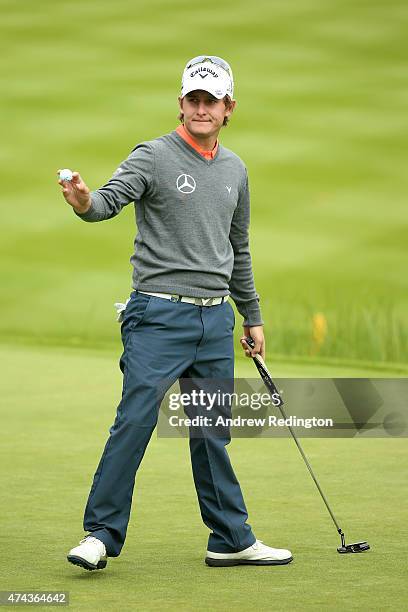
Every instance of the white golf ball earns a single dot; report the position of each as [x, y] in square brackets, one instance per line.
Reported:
[65, 175]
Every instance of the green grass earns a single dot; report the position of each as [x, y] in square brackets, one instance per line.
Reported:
[320, 122]
[58, 406]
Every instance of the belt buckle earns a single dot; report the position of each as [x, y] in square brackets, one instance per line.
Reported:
[174, 298]
[198, 301]
[207, 301]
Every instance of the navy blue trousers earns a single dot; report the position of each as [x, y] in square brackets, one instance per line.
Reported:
[166, 341]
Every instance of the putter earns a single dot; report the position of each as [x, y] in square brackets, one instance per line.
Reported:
[358, 547]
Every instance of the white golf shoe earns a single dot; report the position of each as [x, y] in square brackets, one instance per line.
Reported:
[257, 554]
[90, 554]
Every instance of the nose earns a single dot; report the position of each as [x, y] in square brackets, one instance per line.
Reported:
[202, 108]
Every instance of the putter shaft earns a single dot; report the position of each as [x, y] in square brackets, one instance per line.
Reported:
[263, 370]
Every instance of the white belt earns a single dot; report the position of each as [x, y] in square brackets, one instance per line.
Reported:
[211, 301]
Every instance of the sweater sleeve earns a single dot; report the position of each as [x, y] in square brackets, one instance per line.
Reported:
[241, 284]
[128, 184]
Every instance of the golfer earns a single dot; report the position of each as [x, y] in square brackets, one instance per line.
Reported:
[191, 254]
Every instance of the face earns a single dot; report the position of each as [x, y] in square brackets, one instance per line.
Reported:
[203, 113]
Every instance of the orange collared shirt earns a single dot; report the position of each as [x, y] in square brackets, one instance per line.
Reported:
[181, 131]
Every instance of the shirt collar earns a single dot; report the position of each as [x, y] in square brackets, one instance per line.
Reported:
[181, 131]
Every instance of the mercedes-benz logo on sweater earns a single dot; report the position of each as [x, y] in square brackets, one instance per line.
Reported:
[185, 183]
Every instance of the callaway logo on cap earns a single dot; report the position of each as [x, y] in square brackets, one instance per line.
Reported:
[210, 73]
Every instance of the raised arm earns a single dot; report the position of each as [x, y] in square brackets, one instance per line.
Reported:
[128, 184]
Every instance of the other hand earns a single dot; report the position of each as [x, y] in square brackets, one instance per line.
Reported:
[257, 334]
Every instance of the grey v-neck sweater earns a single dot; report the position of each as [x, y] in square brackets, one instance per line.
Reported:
[192, 216]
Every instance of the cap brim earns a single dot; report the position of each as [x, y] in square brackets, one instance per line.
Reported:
[215, 91]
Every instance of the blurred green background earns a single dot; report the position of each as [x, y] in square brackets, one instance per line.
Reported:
[321, 124]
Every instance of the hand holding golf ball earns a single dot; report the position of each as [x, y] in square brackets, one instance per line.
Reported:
[74, 190]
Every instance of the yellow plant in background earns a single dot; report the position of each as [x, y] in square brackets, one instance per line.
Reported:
[319, 332]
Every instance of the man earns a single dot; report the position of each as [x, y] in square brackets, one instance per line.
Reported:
[191, 252]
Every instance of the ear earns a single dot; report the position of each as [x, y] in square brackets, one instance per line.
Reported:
[229, 109]
[180, 101]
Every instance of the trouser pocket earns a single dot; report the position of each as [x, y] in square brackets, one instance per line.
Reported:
[135, 312]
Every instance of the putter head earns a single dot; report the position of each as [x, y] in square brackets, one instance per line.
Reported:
[354, 548]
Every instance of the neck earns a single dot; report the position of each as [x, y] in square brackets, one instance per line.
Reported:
[207, 143]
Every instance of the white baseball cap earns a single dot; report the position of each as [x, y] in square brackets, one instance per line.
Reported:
[210, 73]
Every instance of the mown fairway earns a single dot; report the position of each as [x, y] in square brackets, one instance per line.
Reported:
[321, 124]
[54, 429]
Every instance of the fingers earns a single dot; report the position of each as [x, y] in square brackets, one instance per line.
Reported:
[78, 184]
[75, 192]
[69, 186]
[246, 348]
[66, 188]
[259, 348]
[66, 184]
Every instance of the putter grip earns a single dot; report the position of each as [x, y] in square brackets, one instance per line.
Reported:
[264, 372]
[258, 359]
[250, 342]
